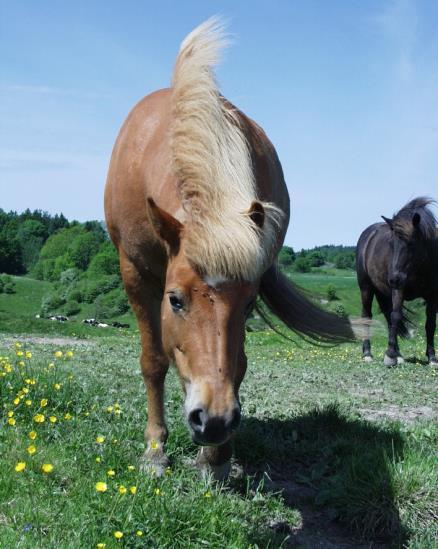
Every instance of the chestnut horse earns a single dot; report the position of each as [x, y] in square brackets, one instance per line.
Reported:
[197, 208]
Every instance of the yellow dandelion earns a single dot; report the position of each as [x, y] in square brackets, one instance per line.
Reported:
[21, 466]
[131, 468]
[18, 345]
[58, 354]
[207, 494]
[39, 418]
[11, 421]
[57, 386]
[67, 416]
[122, 489]
[46, 468]
[69, 354]
[53, 419]
[98, 459]
[133, 490]
[43, 402]
[101, 486]
[157, 491]
[28, 354]
[21, 363]
[32, 435]
[110, 409]
[118, 534]
[51, 365]
[16, 401]
[153, 444]
[28, 402]
[139, 533]
[20, 353]
[31, 449]
[111, 473]
[101, 545]
[100, 439]
[10, 413]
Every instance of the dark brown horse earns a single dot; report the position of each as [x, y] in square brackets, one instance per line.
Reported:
[396, 261]
[197, 207]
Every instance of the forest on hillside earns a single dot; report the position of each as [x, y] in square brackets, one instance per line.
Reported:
[80, 262]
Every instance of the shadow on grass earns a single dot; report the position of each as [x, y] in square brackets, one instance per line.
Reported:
[337, 470]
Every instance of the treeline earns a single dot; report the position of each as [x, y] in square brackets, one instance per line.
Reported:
[340, 257]
[77, 258]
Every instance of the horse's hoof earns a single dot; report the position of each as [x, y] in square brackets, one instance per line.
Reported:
[218, 471]
[389, 361]
[400, 360]
[433, 361]
[367, 358]
[154, 463]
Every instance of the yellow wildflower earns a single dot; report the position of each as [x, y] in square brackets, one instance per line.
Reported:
[53, 419]
[58, 354]
[67, 416]
[101, 545]
[28, 402]
[157, 491]
[21, 466]
[207, 494]
[98, 459]
[69, 354]
[16, 401]
[100, 439]
[109, 409]
[118, 534]
[10, 413]
[43, 402]
[139, 533]
[31, 449]
[101, 486]
[28, 354]
[47, 468]
[153, 444]
[111, 473]
[11, 421]
[122, 489]
[39, 418]
[131, 468]
[32, 435]
[133, 490]
[20, 353]
[57, 386]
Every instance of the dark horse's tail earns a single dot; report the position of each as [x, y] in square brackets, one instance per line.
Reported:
[299, 314]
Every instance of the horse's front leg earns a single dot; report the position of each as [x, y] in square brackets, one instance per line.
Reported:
[216, 460]
[431, 311]
[145, 302]
[392, 354]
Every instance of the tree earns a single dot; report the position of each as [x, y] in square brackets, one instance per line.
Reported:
[286, 256]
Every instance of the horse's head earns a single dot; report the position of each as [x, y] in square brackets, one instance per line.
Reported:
[408, 247]
[203, 332]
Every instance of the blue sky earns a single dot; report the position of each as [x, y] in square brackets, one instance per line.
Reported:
[346, 90]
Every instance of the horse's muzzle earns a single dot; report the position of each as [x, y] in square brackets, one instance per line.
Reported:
[212, 430]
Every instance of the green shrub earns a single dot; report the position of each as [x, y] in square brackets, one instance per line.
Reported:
[71, 308]
[331, 293]
[52, 303]
[302, 264]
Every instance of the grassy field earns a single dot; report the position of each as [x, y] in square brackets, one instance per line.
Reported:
[331, 453]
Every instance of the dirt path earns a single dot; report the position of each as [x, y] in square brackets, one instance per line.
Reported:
[47, 340]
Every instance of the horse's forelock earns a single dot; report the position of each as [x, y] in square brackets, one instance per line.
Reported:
[403, 224]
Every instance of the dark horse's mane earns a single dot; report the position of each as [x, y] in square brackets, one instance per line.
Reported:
[402, 220]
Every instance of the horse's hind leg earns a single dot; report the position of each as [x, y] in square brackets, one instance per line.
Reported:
[145, 301]
[367, 295]
[431, 311]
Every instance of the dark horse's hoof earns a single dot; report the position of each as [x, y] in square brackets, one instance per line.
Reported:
[389, 361]
[367, 358]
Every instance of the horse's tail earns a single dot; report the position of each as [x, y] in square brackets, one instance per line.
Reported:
[302, 316]
[385, 304]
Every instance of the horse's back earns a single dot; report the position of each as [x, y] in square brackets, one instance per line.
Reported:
[372, 256]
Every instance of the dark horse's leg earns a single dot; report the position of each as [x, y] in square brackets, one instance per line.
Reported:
[431, 311]
[154, 364]
[392, 354]
[367, 294]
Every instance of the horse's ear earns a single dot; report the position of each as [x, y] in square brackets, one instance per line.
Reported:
[416, 218]
[257, 213]
[166, 226]
[387, 220]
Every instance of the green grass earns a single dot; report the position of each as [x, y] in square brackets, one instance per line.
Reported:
[305, 448]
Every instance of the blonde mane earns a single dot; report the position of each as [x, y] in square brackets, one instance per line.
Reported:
[212, 164]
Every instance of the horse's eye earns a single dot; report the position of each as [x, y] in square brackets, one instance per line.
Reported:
[176, 303]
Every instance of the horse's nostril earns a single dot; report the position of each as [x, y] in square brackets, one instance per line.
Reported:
[235, 420]
[195, 419]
